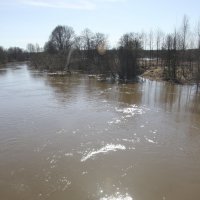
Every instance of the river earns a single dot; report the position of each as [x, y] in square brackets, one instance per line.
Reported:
[74, 137]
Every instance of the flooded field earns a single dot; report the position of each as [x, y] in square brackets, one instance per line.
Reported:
[78, 138]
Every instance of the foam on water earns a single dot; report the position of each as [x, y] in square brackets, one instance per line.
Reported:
[131, 111]
[117, 196]
[68, 154]
[105, 149]
[127, 112]
[149, 140]
[64, 182]
[116, 121]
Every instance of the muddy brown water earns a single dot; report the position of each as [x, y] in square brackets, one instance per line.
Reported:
[78, 138]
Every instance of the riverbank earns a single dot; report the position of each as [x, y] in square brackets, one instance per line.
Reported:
[13, 63]
[158, 74]
[154, 73]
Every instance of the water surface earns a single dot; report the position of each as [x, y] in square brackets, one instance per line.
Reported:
[79, 138]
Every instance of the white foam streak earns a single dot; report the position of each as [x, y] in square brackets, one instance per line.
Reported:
[105, 149]
[149, 140]
[131, 111]
[117, 196]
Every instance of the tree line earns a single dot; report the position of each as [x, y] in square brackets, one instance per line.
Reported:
[177, 54]
[64, 51]
[13, 54]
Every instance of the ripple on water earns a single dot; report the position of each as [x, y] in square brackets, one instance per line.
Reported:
[105, 149]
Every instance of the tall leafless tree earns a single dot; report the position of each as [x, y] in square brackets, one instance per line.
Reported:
[150, 47]
[198, 56]
[159, 35]
[184, 34]
[62, 37]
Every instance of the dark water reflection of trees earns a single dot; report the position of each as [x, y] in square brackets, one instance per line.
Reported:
[170, 97]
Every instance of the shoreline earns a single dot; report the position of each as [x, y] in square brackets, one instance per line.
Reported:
[153, 74]
[157, 74]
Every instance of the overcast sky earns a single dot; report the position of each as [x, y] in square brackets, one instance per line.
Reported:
[31, 21]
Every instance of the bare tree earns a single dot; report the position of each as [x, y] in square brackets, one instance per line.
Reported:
[3, 56]
[61, 43]
[171, 56]
[150, 47]
[15, 54]
[144, 44]
[38, 48]
[198, 56]
[87, 44]
[159, 36]
[30, 48]
[62, 38]
[50, 48]
[94, 46]
[184, 31]
[184, 35]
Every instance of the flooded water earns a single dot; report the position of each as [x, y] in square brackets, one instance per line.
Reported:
[77, 138]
